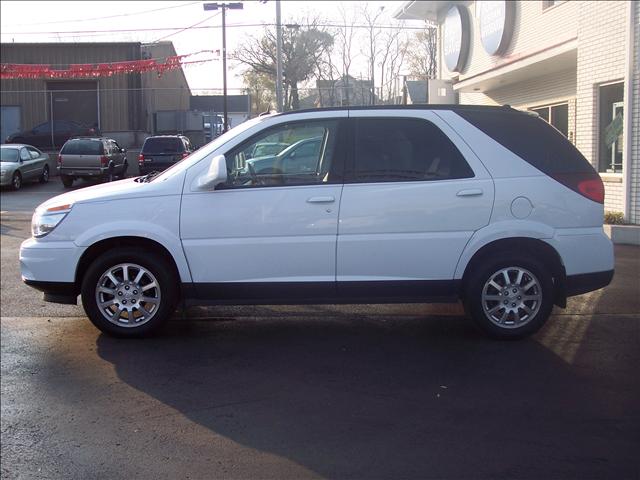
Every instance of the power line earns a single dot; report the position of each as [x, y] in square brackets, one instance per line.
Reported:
[186, 28]
[109, 16]
[207, 27]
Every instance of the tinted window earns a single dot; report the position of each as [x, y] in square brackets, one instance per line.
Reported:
[83, 147]
[163, 145]
[405, 149]
[532, 139]
[307, 160]
[42, 128]
[8, 154]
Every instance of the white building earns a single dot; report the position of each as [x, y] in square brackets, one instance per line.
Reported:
[573, 62]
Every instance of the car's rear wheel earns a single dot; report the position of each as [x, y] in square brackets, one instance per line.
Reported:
[510, 295]
[16, 181]
[129, 292]
[44, 176]
[67, 180]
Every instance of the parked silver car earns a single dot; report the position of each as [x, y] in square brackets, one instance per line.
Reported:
[89, 157]
[20, 163]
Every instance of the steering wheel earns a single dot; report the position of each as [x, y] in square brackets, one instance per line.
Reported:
[254, 176]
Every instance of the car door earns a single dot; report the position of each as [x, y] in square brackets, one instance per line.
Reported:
[41, 135]
[413, 196]
[27, 167]
[39, 160]
[268, 236]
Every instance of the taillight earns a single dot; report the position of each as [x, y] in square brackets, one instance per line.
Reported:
[59, 160]
[140, 159]
[104, 161]
[586, 184]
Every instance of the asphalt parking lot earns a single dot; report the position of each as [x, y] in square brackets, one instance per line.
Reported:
[361, 392]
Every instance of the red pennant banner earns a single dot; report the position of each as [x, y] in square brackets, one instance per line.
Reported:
[79, 70]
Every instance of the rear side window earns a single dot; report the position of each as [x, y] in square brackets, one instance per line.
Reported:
[405, 149]
[163, 145]
[83, 147]
[532, 139]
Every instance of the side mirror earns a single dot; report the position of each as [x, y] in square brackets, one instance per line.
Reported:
[215, 175]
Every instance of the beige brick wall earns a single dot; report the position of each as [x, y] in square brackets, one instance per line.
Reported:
[634, 203]
[601, 59]
[541, 29]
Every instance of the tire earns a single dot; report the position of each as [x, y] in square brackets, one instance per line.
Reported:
[16, 181]
[67, 180]
[493, 308]
[123, 174]
[147, 317]
[44, 177]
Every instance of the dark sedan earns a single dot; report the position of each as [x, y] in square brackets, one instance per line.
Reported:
[42, 135]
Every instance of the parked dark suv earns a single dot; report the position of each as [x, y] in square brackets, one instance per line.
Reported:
[160, 152]
[42, 137]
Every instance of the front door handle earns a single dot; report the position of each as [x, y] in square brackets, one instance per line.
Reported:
[472, 192]
[321, 200]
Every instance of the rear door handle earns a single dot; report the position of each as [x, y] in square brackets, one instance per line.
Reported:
[321, 200]
[470, 192]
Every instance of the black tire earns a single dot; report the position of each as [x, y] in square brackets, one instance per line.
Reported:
[44, 176]
[16, 181]
[123, 174]
[164, 275]
[67, 180]
[487, 270]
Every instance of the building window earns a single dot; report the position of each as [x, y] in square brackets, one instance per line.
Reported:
[556, 115]
[610, 128]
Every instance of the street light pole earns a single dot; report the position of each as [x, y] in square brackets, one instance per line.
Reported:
[279, 99]
[224, 7]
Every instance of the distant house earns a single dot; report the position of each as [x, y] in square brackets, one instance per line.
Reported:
[346, 90]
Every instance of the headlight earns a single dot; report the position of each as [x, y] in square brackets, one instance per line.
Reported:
[45, 220]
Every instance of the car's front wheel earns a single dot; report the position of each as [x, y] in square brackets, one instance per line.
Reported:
[510, 295]
[129, 292]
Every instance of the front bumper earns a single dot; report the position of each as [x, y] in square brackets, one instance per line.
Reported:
[51, 268]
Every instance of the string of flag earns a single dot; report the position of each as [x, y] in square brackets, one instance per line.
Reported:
[85, 70]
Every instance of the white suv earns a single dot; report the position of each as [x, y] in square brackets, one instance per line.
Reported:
[402, 204]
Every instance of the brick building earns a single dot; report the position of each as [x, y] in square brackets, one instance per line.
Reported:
[575, 63]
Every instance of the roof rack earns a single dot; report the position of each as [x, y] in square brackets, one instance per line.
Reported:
[425, 106]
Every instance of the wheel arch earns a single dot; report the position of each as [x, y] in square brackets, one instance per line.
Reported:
[532, 246]
[97, 248]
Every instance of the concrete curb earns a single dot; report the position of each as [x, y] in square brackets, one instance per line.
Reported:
[623, 234]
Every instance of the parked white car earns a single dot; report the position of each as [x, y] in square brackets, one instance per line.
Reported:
[416, 204]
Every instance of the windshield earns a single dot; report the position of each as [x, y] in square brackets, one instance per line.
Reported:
[207, 149]
[8, 154]
[162, 145]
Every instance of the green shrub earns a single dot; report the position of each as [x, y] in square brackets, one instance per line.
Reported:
[614, 218]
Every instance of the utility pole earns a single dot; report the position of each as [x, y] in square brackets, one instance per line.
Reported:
[279, 99]
[224, 7]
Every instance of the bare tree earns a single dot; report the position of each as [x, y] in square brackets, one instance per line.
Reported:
[422, 56]
[374, 35]
[391, 60]
[301, 48]
[344, 39]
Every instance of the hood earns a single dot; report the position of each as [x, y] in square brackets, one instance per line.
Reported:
[127, 188]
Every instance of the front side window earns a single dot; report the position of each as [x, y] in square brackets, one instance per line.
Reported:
[307, 157]
[24, 154]
[42, 128]
[405, 149]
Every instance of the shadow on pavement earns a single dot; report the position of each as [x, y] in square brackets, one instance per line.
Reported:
[393, 397]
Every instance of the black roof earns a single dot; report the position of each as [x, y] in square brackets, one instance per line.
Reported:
[424, 106]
